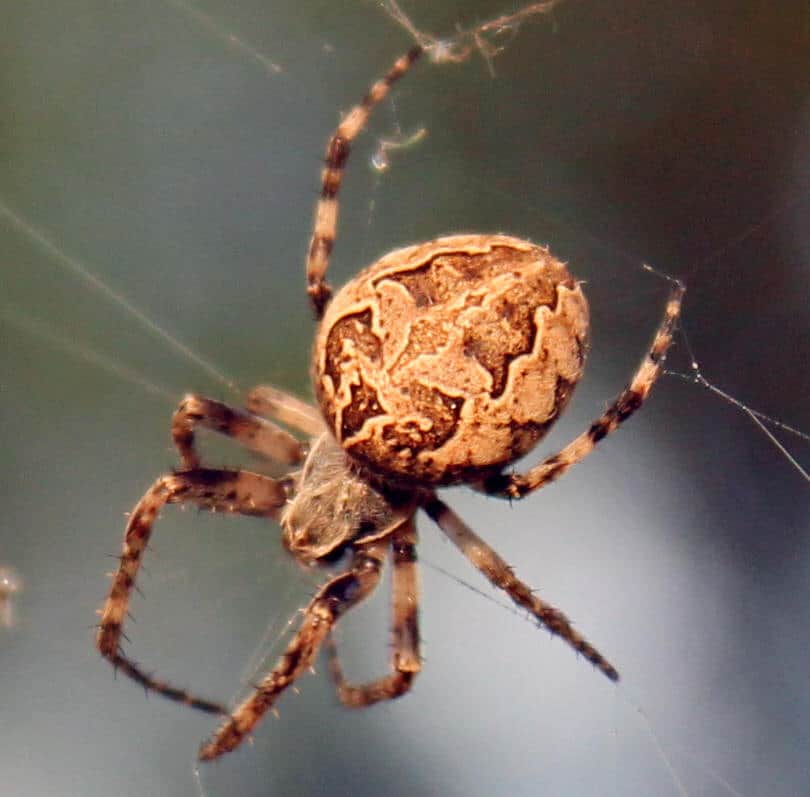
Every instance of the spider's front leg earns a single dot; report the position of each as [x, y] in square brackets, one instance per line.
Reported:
[270, 402]
[222, 490]
[331, 601]
[516, 485]
[247, 429]
[406, 662]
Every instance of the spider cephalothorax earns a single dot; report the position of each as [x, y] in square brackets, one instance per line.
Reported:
[334, 504]
[439, 364]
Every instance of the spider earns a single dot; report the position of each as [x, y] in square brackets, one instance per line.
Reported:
[439, 364]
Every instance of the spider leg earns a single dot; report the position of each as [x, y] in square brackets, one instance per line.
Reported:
[501, 575]
[274, 403]
[406, 662]
[504, 485]
[252, 432]
[331, 601]
[226, 490]
[337, 153]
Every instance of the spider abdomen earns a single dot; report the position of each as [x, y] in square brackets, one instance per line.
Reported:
[449, 359]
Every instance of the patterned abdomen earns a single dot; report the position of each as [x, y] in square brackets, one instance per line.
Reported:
[445, 361]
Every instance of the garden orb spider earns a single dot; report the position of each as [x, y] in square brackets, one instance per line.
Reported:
[439, 364]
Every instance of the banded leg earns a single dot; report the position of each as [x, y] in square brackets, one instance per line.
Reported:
[337, 153]
[500, 574]
[225, 490]
[248, 430]
[406, 662]
[274, 403]
[331, 601]
[516, 485]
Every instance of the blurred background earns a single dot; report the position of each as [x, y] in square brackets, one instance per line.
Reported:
[173, 150]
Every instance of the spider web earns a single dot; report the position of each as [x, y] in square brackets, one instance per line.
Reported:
[679, 548]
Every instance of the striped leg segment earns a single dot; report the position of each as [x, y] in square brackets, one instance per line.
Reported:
[222, 490]
[245, 428]
[406, 661]
[331, 601]
[337, 153]
[500, 574]
[626, 403]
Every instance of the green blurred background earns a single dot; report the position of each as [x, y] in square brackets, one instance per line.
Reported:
[181, 170]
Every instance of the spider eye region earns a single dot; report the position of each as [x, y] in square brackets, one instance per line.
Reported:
[450, 359]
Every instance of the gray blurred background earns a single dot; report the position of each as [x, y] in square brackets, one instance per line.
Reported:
[182, 169]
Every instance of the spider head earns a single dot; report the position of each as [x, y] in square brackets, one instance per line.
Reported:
[333, 505]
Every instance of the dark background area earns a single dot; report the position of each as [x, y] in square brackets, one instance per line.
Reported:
[182, 171]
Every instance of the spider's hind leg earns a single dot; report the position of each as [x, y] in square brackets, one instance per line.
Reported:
[406, 662]
[331, 601]
[501, 575]
[516, 485]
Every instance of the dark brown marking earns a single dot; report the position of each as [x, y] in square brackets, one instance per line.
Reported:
[404, 552]
[204, 477]
[599, 430]
[364, 405]
[435, 509]
[443, 412]
[555, 468]
[627, 404]
[524, 436]
[291, 658]
[319, 294]
[495, 484]
[356, 329]
[337, 153]
[420, 283]
[413, 53]
[331, 183]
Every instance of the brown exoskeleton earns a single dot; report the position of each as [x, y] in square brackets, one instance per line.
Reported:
[440, 364]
